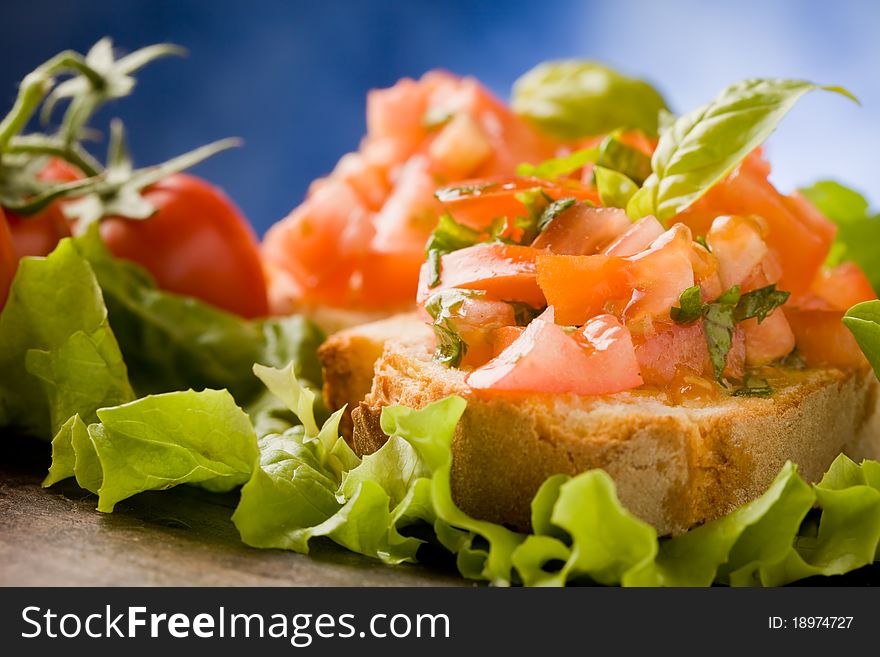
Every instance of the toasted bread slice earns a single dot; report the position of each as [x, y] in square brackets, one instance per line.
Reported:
[675, 466]
[349, 357]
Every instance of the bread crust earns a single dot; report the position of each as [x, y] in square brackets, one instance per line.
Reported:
[675, 466]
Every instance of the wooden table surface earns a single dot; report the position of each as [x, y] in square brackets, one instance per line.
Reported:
[181, 537]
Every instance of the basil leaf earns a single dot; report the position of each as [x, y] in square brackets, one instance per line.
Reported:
[575, 98]
[718, 324]
[615, 189]
[760, 303]
[704, 145]
[690, 306]
[623, 158]
[863, 321]
[553, 210]
[448, 236]
[858, 230]
[524, 313]
[559, 166]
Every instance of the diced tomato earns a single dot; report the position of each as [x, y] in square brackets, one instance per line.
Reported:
[738, 245]
[368, 180]
[583, 230]
[579, 287]
[406, 220]
[476, 321]
[842, 287]
[674, 352]
[503, 337]
[544, 359]
[822, 339]
[476, 203]
[660, 274]
[460, 148]
[648, 283]
[673, 349]
[797, 234]
[637, 238]
[706, 275]
[397, 114]
[768, 341]
[505, 271]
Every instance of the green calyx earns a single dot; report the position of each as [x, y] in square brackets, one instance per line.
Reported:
[91, 81]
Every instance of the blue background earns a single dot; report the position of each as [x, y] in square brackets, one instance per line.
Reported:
[291, 77]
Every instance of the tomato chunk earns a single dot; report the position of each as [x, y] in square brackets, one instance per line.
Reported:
[660, 274]
[476, 203]
[544, 359]
[579, 287]
[638, 237]
[842, 286]
[505, 271]
[583, 230]
[822, 339]
[768, 341]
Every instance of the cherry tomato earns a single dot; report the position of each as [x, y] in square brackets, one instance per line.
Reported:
[197, 244]
[8, 260]
[38, 234]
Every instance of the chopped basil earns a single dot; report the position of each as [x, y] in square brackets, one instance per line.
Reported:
[721, 316]
[448, 194]
[559, 166]
[448, 236]
[553, 210]
[524, 313]
[620, 157]
[690, 306]
[760, 303]
[754, 387]
[444, 307]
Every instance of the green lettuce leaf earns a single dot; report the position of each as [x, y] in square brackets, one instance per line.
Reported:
[58, 354]
[704, 145]
[858, 230]
[155, 443]
[173, 342]
[60, 357]
[574, 98]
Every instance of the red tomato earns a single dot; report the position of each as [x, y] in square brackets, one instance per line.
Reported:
[505, 271]
[583, 230]
[545, 359]
[410, 213]
[822, 339]
[196, 244]
[8, 260]
[38, 234]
